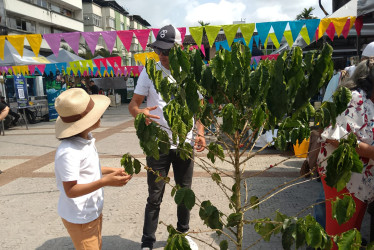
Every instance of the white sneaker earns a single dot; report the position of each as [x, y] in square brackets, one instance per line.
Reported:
[192, 243]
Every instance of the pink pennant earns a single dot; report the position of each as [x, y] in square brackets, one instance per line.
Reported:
[257, 58]
[330, 31]
[85, 73]
[140, 68]
[115, 70]
[126, 38]
[114, 60]
[358, 25]
[182, 30]
[72, 38]
[143, 36]
[91, 39]
[99, 61]
[53, 41]
[41, 68]
[110, 39]
[97, 73]
[316, 35]
[155, 32]
[32, 69]
[346, 28]
[202, 48]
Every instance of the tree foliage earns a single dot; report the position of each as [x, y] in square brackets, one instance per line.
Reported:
[275, 95]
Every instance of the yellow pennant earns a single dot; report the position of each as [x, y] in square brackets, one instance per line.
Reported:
[2, 44]
[288, 35]
[35, 40]
[230, 32]
[16, 70]
[323, 25]
[304, 34]
[197, 34]
[141, 57]
[352, 21]
[274, 39]
[247, 30]
[17, 41]
[211, 33]
[339, 24]
[24, 70]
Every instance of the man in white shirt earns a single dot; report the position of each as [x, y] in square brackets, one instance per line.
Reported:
[167, 37]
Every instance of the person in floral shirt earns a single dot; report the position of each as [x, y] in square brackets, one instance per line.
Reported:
[358, 118]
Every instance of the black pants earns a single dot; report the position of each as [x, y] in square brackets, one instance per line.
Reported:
[15, 116]
[183, 171]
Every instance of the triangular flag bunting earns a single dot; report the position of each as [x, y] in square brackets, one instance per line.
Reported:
[330, 31]
[32, 69]
[358, 25]
[182, 30]
[295, 27]
[266, 42]
[155, 32]
[53, 41]
[17, 41]
[263, 30]
[126, 38]
[279, 28]
[230, 32]
[91, 39]
[110, 39]
[257, 40]
[323, 25]
[247, 30]
[35, 40]
[288, 35]
[143, 37]
[312, 25]
[352, 22]
[72, 38]
[304, 34]
[339, 24]
[197, 34]
[115, 60]
[211, 33]
[2, 44]
[99, 61]
[274, 39]
[40, 68]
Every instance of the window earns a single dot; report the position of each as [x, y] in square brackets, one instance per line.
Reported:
[122, 26]
[55, 8]
[67, 12]
[20, 24]
[44, 29]
[42, 3]
[96, 20]
[111, 23]
[57, 31]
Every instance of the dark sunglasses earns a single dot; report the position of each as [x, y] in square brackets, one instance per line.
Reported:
[165, 52]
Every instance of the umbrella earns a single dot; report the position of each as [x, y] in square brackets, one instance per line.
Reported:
[64, 56]
[13, 58]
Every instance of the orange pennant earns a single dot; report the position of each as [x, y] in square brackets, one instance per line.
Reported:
[339, 24]
[17, 41]
[2, 44]
[35, 40]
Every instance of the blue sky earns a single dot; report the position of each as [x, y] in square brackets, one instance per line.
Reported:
[187, 13]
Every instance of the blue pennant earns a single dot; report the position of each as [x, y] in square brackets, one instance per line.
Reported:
[311, 26]
[263, 31]
[279, 28]
[295, 27]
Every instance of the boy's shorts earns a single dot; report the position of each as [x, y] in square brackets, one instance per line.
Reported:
[85, 236]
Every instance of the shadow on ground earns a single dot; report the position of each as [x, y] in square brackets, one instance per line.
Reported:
[109, 243]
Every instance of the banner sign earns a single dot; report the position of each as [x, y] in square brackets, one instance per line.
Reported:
[20, 87]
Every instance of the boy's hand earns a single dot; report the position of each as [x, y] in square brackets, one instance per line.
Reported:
[117, 179]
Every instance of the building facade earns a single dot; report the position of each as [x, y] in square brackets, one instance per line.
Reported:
[41, 17]
[101, 15]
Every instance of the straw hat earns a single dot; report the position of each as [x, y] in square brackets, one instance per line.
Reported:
[78, 111]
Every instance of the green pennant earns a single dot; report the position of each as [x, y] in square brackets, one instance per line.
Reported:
[197, 34]
[211, 33]
[230, 32]
[274, 39]
[288, 35]
[247, 30]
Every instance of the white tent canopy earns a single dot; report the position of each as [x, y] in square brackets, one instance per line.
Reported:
[64, 56]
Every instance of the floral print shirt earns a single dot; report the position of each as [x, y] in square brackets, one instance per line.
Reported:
[358, 118]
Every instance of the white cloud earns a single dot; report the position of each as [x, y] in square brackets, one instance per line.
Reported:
[223, 12]
[271, 13]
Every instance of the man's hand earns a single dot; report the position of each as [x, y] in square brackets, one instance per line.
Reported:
[149, 116]
[134, 109]
[200, 143]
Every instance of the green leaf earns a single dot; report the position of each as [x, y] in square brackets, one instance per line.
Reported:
[189, 199]
[137, 166]
[254, 201]
[216, 177]
[210, 215]
[343, 209]
[314, 237]
[223, 245]
[288, 236]
[350, 240]
[230, 118]
[159, 178]
[234, 219]
[179, 196]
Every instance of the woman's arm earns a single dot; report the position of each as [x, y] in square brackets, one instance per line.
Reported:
[363, 149]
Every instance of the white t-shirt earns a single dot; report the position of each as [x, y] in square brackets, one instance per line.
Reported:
[77, 160]
[146, 88]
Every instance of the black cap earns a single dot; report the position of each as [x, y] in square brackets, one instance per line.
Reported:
[166, 38]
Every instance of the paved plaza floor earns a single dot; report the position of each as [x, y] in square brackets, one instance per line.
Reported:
[28, 192]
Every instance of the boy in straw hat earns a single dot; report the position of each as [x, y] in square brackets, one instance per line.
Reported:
[77, 167]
